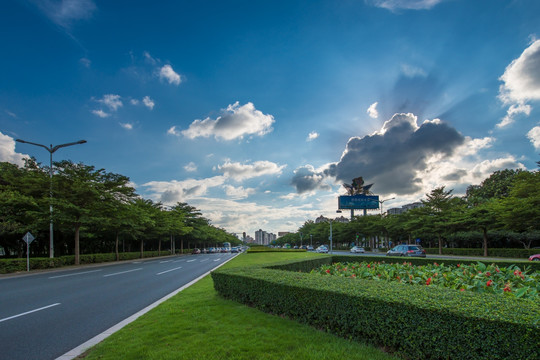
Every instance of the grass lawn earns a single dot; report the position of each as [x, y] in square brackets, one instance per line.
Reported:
[198, 324]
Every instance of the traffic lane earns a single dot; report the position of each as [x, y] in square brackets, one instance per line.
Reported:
[87, 308]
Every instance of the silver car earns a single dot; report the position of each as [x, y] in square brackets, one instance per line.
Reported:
[357, 249]
[407, 250]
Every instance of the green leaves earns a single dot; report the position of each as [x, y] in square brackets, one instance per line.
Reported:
[479, 277]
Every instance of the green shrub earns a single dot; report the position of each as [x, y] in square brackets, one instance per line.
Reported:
[417, 322]
[494, 252]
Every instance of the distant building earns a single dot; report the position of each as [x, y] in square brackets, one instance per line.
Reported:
[404, 208]
[264, 238]
[340, 219]
[282, 233]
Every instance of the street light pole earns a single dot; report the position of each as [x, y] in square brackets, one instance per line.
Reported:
[382, 202]
[51, 150]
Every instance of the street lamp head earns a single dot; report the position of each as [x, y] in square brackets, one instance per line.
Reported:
[81, 141]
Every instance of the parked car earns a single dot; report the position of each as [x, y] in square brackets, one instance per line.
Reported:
[322, 249]
[407, 250]
[535, 257]
[234, 250]
[196, 251]
[357, 249]
[309, 248]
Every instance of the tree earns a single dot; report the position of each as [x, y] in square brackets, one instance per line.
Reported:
[82, 195]
[436, 209]
[520, 210]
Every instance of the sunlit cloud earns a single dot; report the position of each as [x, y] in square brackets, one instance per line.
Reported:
[149, 103]
[534, 136]
[521, 83]
[404, 4]
[235, 122]
[191, 167]
[167, 73]
[127, 126]
[239, 171]
[7, 151]
[372, 111]
[312, 136]
[100, 113]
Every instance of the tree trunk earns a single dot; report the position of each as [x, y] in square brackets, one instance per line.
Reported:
[484, 231]
[142, 248]
[440, 244]
[181, 246]
[77, 255]
[116, 247]
[159, 246]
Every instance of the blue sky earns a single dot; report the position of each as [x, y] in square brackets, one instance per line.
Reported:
[256, 112]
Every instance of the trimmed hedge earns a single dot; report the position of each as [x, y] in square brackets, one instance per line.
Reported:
[495, 252]
[16, 265]
[267, 249]
[417, 322]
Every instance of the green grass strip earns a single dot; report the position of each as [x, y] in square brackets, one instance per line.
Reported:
[199, 324]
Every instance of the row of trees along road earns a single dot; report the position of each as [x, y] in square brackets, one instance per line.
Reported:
[93, 212]
[503, 211]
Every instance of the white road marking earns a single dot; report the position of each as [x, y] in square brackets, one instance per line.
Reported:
[122, 272]
[79, 273]
[166, 271]
[191, 260]
[28, 312]
[165, 261]
[203, 260]
[217, 259]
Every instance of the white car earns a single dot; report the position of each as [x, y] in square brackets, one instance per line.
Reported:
[322, 249]
[357, 249]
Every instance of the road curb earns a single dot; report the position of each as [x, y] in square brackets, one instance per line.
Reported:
[73, 353]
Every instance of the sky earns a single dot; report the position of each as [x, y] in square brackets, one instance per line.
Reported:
[256, 112]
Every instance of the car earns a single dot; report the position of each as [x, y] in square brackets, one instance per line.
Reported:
[196, 251]
[535, 257]
[234, 250]
[309, 248]
[407, 250]
[357, 249]
[322, 249]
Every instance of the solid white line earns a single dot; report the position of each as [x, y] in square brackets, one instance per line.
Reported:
[72, 354]
[28, 312]
[123, 272]
[80, 273]
[166, 271]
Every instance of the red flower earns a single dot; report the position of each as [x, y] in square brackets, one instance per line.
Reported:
[507, 288]
[328, 271]
[369, 265]
[489, 283]
[428, 281]
[462, 289]
[353, 275]
[435, 264]
[458, 265]
[497, 269]
[488, 273]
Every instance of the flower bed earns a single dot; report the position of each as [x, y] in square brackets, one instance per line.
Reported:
[509, 281]
[418, 322]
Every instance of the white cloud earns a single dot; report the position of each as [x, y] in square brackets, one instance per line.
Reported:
[404, 4]
[85, 62]
[534, 137]
[312, 136]
[65, 12]
[167, 73]
[234, 123]
[238, 192]
[413, 71]
[127, 126]
[372, 110]
[134, 102]
[100, 113]
[149, 103]
[191, 167]
[513, 110]
[171, 192]
[13, 115]
[172, 131]
[521, 83]
[113, 102]
[238, 171]
[7, 151]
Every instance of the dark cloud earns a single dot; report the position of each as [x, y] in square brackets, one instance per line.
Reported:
[390, 159]
[306, 179]
[455, 176]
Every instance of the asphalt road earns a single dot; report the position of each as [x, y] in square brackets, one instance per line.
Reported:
[45, 315]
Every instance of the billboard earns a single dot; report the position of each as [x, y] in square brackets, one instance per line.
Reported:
[358, 202]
